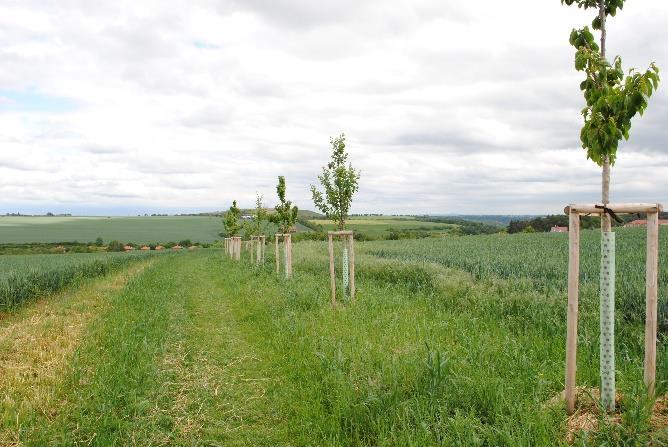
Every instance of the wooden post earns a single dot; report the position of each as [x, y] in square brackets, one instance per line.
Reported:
[651, 300]
[238, 248]
[288, 238]
[263, 244]
[332, 274]
[351, 265]
[278, 258]
[572, 317]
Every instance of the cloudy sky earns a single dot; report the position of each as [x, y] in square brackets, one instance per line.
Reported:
[115, 107]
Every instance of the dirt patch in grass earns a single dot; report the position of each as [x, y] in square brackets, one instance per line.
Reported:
[36, 343]
[588, 414]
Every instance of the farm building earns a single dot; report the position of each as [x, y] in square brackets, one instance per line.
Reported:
[177, 247]
[558, 229]
[128, 248]
[643, 223]
[145, 247]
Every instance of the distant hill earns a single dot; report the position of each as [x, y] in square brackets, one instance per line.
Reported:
[303, 214]
[500, 220]
[308, 214]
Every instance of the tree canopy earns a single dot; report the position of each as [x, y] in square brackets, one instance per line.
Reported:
[258, 226]
[612, 98]
[231, 220]
[340, 183]
[285, 214]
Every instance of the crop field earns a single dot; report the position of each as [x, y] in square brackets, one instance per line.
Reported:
[542, 260]
[450, 341]
[138, 230]
[23, 277]
[378, 227]
[15, 264]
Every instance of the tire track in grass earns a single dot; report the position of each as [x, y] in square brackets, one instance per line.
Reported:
[214, 378]
[106, 395]
[36, 345]
[166, 364]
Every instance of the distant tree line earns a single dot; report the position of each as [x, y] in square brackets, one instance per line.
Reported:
[465, 227]
[545, 224]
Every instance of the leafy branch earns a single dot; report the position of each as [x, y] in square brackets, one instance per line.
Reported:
[286, 214]
[340, 183]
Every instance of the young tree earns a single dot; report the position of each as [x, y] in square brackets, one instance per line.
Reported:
[285, 215]
[612, 100]
[231, 220]
[258, 225]
[340, 184]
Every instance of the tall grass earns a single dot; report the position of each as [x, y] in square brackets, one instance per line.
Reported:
[542, 260]
[25, 277]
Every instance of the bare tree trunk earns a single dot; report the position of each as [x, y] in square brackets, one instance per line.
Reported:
[606, 224]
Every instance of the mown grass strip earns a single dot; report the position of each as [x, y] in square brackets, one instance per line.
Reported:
[36, 346]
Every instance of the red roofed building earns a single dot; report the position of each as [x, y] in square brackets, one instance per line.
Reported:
[558, 229]
[177, 247]
[128, 248]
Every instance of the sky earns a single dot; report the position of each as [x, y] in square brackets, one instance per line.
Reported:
[448, 107]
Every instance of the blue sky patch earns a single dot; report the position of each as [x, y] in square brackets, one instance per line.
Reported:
[205, 45]
[32, 101]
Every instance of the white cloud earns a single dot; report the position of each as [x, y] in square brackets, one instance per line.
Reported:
[448, 106]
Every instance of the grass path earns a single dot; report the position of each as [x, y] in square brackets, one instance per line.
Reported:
[197, 350]
[157, 360]
[36, 345]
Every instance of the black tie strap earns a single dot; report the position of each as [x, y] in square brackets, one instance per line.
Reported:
[608, 211]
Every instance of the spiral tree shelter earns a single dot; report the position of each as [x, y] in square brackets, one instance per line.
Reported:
[340, 182]
[612, 100]
[285, 216]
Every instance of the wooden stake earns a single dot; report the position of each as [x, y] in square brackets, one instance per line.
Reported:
[278, 259]
[572, 318]
[332, 274]
[351, 266]
[651, 300]
[288, 238]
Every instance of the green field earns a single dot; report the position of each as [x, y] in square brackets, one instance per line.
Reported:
[140, 230]
[451, 341]
[23, 277]
[17, 264]
[380, 227]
